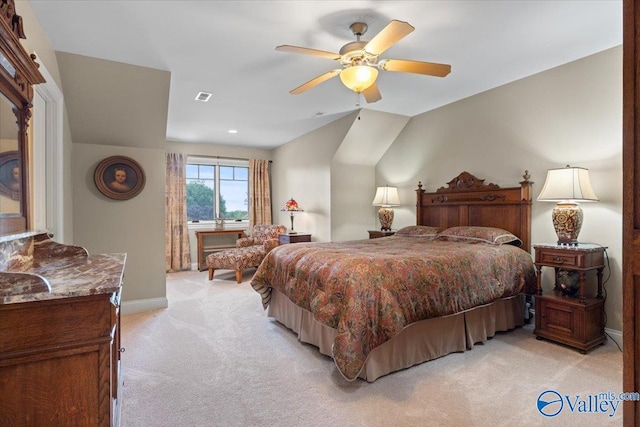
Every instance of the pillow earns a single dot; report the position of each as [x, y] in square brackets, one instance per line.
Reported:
[418, 231]
[492, 235]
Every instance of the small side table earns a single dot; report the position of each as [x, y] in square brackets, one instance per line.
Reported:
[374, 234]
[205, 247]
[574, 321]
[286, 238]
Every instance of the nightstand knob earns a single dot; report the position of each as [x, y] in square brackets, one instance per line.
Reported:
[558, 260]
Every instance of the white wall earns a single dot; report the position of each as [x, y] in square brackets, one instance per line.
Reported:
[568, 115]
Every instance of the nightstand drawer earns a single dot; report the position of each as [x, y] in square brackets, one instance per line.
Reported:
[560, 259]
[285, 239]
[581, 257]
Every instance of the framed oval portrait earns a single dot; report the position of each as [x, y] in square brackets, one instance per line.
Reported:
[119, 177]
[10, 174]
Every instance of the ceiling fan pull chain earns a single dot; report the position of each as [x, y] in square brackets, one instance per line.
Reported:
[357, 99]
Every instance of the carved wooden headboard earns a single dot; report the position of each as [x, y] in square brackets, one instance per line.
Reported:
[469, 201]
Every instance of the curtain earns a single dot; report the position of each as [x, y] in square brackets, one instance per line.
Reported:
[259, 193]
[178, 256]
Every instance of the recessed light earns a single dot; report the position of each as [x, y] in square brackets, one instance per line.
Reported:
[232, 131]
[203, 96]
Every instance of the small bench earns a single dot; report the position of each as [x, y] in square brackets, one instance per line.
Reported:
[250, 251]
[236, 259]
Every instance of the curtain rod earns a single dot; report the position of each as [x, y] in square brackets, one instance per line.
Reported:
[223, 157]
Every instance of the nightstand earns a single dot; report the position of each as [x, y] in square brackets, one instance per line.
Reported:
[374, 234]
[575, 321]
[294, 238]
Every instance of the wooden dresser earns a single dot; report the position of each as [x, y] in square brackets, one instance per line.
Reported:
[59, 334]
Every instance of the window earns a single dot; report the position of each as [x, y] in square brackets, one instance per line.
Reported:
[217, 188]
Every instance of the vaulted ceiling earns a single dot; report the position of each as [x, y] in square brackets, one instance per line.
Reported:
[227, 48]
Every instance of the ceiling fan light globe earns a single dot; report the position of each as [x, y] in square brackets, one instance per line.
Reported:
[358, 77]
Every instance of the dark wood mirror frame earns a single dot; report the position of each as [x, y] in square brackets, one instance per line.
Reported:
[18, 73]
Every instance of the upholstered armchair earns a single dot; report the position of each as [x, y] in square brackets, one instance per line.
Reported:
[249, 251]
[266, 235]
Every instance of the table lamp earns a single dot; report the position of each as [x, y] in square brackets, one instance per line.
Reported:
[386, 197]
[567, 186]
[291, 206]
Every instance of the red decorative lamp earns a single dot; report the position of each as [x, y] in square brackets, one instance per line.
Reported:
[567, 186]
[291, 206]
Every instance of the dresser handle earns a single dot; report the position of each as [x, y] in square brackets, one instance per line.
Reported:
[558, 260]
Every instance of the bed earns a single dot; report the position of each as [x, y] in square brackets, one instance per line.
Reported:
[377, 306]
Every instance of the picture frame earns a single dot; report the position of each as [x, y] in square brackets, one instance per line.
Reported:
[9, 182]
[119, 177]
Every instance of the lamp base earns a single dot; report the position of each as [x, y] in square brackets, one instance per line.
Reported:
[291, 231]
[567, 220]
[385, 215]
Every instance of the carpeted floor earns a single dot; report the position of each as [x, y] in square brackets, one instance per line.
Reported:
[213, 358]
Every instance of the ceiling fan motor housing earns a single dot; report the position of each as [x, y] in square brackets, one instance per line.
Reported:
[353, 53]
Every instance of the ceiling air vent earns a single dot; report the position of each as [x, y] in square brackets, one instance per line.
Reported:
[203, 96]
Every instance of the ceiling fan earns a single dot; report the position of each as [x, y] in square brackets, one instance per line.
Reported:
[360, 60]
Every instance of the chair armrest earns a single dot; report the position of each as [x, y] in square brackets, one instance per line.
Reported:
[244, 242]
[270, 244]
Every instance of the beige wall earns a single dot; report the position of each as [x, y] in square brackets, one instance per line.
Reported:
[112, 103]
[331, 171]
[568, 115]
[120, 109]
[302, 170]
[134, 226]
[353, 172]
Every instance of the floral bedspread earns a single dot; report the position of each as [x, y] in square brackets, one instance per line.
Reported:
[369, 290]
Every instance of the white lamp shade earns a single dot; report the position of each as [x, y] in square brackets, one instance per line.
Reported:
[568, 184]
[358, 77]
[386, 196]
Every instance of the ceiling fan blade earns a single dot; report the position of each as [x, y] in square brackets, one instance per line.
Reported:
[372, 93]
[417, 67]
[307, 51]
[389, 36]
[313, 82]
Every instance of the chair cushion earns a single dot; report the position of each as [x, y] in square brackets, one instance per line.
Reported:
[237, 258]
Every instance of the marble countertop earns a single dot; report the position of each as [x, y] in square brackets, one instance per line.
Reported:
[579, 246]
[63, 278]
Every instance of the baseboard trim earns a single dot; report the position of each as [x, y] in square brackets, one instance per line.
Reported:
[138, 306]
[615, 335]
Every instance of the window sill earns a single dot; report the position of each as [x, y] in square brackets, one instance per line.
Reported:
[209, 225]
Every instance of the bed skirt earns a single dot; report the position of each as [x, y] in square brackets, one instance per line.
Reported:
[416, 343]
